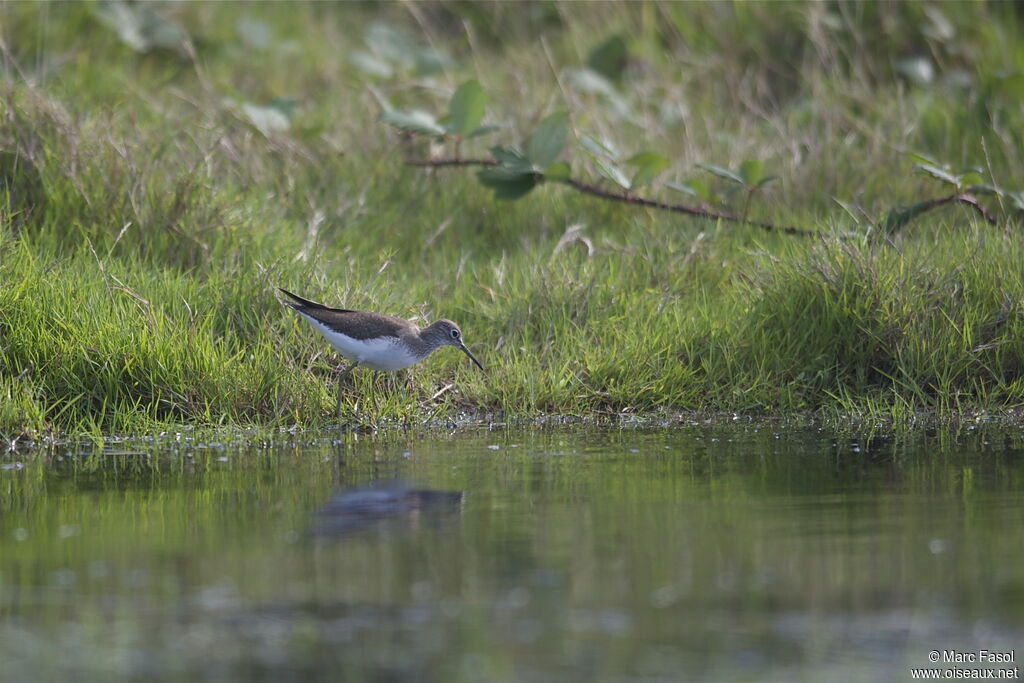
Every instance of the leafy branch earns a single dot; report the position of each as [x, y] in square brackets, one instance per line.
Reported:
[512, 172]
[626, 197]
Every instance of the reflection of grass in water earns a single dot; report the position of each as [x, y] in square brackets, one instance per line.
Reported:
[138, 275]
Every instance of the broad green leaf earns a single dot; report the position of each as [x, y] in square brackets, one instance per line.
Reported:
[612, 173]
[506, 184]
[414, 121]
[370, 64]
[389, 42]
[467, 108]
[722, 173]
[1018, 200]
[141, 28]
[698, 187]
[924, 159]
[557, 171]
[484, 130]
[984, 189]
[600, 147]
[255, 33]
[429, 61]
[547, 140]
[609, 58]
[939, 173]
[560, 170]
[767, 179]
[648, 165]
[899, 217]
[500, 174]
[684, 188]
[938, 27]
[512, 160]
[398, 50]
[267, 119]
[970, 178]
[918, 70]
[285, 105]
[752, 171]
[589, 80]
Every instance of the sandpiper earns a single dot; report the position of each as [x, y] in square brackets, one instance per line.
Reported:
[375, 340]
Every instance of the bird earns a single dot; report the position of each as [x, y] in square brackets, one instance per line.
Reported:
[375, 340]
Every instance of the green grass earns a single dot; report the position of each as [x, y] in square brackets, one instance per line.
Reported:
[145, 220]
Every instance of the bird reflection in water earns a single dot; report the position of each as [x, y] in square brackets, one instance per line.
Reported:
[385, 504]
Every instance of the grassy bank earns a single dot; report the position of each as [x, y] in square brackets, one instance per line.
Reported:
[157, 187]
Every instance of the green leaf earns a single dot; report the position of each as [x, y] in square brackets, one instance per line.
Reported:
[649, 165]
[698, 187]
[254, 33]
[970, 178]
[899, 217]
[414, 121]
[599, 147]
[590, 81]
[267, 119]
[557, 171]
[767, 179]
[399, 53]
[467, 108]
[752, 171]
[609, 58]
[918, 70]
[703, 190]
[924, 159]
[686, 189]
[142, 28]
[285, 105]
[939, 173]
[483, 130]
[722, 173]
[370, 64]
[984, 189]
[512, 160]
[506, 184]
[547, 140]
[612, 173]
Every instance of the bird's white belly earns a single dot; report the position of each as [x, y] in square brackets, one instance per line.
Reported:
[385, 353]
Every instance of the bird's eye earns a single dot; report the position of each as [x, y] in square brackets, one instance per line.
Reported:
[455, 334]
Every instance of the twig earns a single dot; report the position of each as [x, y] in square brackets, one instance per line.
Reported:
[457, 161]
[595, 191]
[963, 198]
[972, 201]
[682, 208]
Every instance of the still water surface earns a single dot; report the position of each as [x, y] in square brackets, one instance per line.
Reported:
[701, 552]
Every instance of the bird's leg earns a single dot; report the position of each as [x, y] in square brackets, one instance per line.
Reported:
[341, 376]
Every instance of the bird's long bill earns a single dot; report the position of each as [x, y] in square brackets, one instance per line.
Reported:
[471, 356]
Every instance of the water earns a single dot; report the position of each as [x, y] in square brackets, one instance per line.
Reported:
[698, 552]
